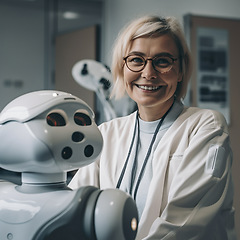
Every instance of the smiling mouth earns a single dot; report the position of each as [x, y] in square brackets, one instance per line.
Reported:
[148, 88]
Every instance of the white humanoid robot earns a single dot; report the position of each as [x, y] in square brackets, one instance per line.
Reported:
[96, 77]
[44, 135]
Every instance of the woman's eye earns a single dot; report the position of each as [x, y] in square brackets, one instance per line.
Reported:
[136, 60]
[162, 62]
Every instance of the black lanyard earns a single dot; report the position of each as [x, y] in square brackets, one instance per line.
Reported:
[136, 130]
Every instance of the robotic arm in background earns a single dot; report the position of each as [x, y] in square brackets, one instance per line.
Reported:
[96, 77]
[44, 135]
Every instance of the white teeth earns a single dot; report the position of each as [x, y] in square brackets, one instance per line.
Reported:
[150, 88]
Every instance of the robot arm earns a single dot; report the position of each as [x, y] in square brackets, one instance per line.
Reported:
[94, 215]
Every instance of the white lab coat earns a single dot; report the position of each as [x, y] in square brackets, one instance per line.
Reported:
[191, 192]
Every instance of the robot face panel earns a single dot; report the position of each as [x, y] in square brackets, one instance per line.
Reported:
[61, 138]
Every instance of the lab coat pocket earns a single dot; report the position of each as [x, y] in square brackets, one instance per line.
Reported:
[175, 159]
[174, 162]
[176, 156]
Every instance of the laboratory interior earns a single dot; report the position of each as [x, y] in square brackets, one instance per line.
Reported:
[45, 44]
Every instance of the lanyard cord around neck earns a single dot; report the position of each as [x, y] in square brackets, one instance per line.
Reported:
[135, 158]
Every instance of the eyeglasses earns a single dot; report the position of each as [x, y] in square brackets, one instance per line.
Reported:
[161, 64]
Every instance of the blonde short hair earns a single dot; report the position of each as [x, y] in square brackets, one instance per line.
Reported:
[150, 26]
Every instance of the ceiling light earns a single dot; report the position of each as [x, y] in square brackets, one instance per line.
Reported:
[71, 15]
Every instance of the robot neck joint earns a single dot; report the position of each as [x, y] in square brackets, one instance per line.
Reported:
[43, 178]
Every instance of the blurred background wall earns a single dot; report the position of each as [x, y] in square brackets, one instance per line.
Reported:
[31, 29]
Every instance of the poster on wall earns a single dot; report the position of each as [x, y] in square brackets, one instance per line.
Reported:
[212, 70]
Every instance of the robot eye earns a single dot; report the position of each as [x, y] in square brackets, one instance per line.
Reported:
[82, 119]
[55, 120]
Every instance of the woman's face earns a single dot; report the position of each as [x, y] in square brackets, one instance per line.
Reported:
[151, 90]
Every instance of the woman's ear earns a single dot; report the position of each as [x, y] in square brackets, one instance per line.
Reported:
[180, 76]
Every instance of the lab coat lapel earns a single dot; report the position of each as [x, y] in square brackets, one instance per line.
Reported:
[155, 193]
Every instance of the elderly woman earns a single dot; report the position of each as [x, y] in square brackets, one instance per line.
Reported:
[175, 161]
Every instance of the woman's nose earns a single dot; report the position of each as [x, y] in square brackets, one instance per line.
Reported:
[149, 72]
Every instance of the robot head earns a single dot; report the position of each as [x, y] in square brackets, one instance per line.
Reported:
[48, 132]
